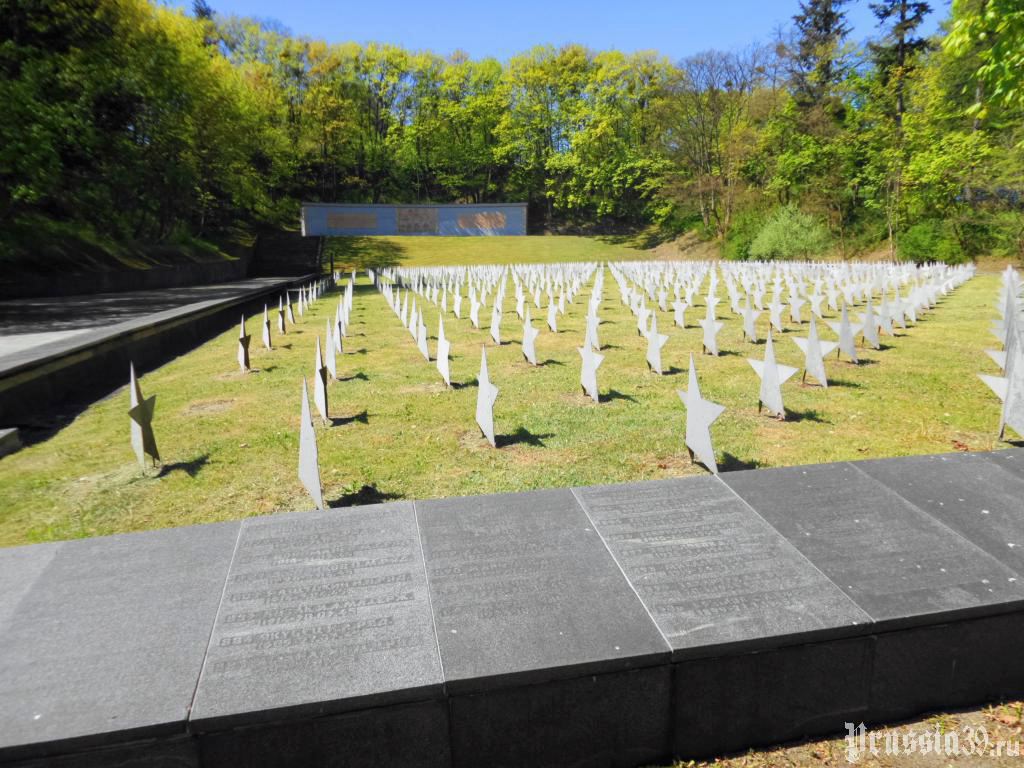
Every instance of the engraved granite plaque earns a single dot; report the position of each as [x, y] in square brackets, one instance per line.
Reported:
[971, 495]
[1010, 459]
[103, 639]
[323, 611]
[522, 586]
[893, 559]
[709, 569]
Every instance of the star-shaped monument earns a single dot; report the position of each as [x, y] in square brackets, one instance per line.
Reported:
[591, 361]
[320, 383]
[141, 415]
[530, 335]
[711, 328]
[655, 341]
[750, 316]
[486, 394]
[496, 322]
[421, 337]
[443, 348]
[243, 347]
[847, 332]
[700, 415]
[309, 462]
[815, 351]
[266, 328]
[332, 359]
[773, 376]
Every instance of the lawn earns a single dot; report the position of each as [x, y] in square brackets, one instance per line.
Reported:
[229, 440]
[428, 251]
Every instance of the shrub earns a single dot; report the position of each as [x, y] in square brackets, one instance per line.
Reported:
[930, 240]
[790, 233]
[744, 229]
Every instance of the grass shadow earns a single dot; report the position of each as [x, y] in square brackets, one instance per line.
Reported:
[614, 394]
[522, 436]
[806, 415]
[551, 361]
[368, 494]
[844, 383]
[361, 376]
[731, 463]
[190, 468]
[465, 384]
[363, 418]
[672, 371]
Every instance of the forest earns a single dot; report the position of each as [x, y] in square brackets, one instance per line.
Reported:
[131, 124]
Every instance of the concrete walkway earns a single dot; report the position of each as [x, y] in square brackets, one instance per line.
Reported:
[79, 347]
[32, 330]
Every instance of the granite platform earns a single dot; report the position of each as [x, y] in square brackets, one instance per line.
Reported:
[608, 625]
[79, 346]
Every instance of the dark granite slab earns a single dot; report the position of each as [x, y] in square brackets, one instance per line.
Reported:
[174, 752]
[103, 639]
[898, 563]
[523, 589]
[732, 702]
[322, 612]
[973, 496]
[617, 719]
[1010, 459]
[946, 666]
[407, 735]
[713, 574]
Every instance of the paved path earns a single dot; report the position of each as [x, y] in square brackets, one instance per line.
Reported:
[34, 330]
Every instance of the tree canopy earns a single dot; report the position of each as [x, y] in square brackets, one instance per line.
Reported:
[127, 121]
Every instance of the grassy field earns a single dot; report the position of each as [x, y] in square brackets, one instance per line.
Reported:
[407, 251]
[229, 440]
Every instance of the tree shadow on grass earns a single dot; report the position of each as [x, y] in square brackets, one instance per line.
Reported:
[191, 468]
[522, 435]
[360, 252]
[362, 417]
[614, 394]
[731, 463]
[368, 494]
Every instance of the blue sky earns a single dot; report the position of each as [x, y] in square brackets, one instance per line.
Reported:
[675, 28]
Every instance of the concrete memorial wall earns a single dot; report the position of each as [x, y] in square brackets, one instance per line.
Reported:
[614, 625]
[341, 219]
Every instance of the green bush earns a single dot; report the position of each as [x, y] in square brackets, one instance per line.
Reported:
[744, 229]
[930, 240]
[790, 233]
